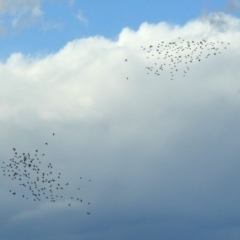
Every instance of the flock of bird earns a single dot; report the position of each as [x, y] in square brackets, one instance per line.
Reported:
[179, 55]
[37, 184]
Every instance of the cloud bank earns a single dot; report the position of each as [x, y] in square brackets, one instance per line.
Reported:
[163, 155]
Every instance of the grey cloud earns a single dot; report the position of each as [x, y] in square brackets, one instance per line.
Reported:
[232, 5]
[20, 6]
[219, 22]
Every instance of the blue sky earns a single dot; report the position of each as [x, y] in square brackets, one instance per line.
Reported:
[144, 101]
[67, 20]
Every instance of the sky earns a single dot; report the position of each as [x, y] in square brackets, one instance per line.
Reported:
[152, 145]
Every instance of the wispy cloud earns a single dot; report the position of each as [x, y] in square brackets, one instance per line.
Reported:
[19, 14]
[20, 7]
[71, 2]
[51, 25]
[80, 17]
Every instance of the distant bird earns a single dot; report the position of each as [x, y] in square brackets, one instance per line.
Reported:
[169, 54]
[36, 179]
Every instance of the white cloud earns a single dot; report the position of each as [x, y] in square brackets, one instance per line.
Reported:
[155, 148]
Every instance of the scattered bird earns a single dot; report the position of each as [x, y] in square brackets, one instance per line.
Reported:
[38, 183]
